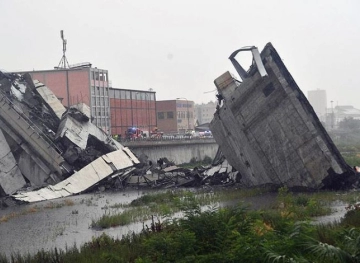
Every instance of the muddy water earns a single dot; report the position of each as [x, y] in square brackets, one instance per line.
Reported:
[60, 223]
[66, 222]
[338, 211]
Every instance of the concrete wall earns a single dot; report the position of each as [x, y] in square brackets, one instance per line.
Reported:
[176, 151]
[268, 131]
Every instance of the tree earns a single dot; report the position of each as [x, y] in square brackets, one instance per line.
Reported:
[349, 123]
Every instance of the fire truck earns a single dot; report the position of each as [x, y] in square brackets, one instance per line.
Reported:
[134, 133]
[155, 134]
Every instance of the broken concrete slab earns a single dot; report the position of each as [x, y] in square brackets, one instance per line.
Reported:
[10, 175]
[14, 117]
[84, 110]
[82, 180]
[50, 143]
[170, 168]
[267, 129]
[50, 99]
[30, 165]
[78, 133]
[35, 171]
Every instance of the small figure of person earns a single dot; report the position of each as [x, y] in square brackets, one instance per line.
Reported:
[220, 98]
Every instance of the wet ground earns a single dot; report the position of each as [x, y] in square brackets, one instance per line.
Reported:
[338, 211]
[60, 223]
[65, 222]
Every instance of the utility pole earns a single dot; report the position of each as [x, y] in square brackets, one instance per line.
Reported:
[148, 97]
[332, 115]
[63, 62]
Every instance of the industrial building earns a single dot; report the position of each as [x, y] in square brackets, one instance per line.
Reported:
[175, 116]
[113, 110]
[339, 113]
[318, 101]
[80, 84]
[132, 108]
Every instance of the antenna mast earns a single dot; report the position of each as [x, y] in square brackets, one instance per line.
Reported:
[63, 62]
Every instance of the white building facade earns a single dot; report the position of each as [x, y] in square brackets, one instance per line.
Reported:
[204, 113]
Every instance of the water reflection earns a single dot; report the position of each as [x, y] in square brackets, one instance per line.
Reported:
[47, 225]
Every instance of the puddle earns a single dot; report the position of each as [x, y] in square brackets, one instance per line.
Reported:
[338, 211]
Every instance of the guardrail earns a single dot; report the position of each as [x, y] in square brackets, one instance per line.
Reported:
[166, 138]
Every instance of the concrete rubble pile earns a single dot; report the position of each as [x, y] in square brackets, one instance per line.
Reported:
[43, 144]
[165, 174]
[268, 131]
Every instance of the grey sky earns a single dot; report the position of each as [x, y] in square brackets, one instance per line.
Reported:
[179, 47]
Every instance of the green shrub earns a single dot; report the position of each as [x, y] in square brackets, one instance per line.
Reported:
[352, 216]
[170, 246]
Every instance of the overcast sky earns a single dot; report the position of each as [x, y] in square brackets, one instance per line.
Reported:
[178, 48]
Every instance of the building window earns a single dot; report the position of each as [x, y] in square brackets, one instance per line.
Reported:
[170, 115]
[161, 115]
[101, 76]
[122, 94]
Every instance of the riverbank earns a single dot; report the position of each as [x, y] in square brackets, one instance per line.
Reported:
[62, 223]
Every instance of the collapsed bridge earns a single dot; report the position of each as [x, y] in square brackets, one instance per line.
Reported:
[268, 131]
[45, 144]
[264, 126]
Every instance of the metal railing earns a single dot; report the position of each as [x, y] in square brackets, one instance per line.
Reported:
[166, 138]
